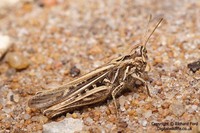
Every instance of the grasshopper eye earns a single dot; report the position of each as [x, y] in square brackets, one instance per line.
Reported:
[143, 50]
[138, 51]
[143, 53]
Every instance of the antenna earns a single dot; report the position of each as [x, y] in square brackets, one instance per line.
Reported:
[147, 28]
[153, 32]
[145, 43]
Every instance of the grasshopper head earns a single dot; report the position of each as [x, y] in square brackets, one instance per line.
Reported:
[139, 58]
[139, 53]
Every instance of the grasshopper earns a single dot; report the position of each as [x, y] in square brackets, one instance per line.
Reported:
[96, 86]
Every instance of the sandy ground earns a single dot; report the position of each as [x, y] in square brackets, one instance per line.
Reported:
[88, 33]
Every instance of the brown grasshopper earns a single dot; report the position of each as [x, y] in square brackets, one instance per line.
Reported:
[96, 86]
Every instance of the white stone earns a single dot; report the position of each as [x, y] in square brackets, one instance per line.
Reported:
[5, 43]
[193, 109]
[143, 122]
[147, 114]
[89, 120]
[68, 125]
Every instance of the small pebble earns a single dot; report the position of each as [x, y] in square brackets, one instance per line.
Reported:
[126, 105]
[74, 71]
[2, 116]
[74, 115]
[143, 122]
[68, 125]
[163, 112]
[122, 101]
[17, 60]
[177, 109]
[135, 103]
[168, 118]
[52, 85]
[97, 115]
[27, 116]
[16, 98]
[84, 115]
[5, 43]
[132, 113]
[34, 127]
[194, 66]
[28, 110]
[112, 118]
[165, 105]
[148, 113]
[10, 72]
[95, 50]
[89, 121]
[122, 124]
[193, 109]
[108, 111]
[41, 119]
[109, 126]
